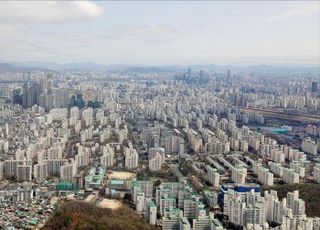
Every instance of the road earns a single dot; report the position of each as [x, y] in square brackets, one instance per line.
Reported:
[284, 115]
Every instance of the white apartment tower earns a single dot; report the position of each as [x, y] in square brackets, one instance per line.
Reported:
[131, 158]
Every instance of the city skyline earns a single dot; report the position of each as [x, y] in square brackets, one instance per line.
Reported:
[172, 115]
[161, 33]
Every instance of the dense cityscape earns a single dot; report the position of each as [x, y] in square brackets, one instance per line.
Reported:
[149, 115]
[186, 149]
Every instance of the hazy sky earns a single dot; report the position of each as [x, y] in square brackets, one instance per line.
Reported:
[160, 33]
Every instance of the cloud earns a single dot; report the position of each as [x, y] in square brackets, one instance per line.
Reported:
[138, 31]
[302, 9]
[151, 29]
[48, 11]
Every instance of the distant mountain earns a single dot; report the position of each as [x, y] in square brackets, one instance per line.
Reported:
[154, 69]
[57, 66]
[224, 68]
[167, 68]
[70, 66]
[253, 68]
[5, 67]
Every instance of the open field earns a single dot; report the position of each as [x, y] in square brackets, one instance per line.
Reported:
[121, 175]
[110, 203]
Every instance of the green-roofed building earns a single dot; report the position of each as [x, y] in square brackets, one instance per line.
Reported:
[210, 197]
[171, 219]
[65, 186]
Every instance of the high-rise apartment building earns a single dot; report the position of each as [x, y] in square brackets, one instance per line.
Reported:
[24, 172]
[131, 158]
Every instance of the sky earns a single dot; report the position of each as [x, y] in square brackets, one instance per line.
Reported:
[161, 32]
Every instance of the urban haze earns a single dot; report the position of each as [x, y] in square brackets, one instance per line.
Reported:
[150, 115]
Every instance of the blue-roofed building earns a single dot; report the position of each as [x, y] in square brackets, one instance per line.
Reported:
[237, 188]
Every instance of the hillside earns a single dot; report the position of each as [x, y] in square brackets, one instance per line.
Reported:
[5, 67]
[308, 192]
[80, 215]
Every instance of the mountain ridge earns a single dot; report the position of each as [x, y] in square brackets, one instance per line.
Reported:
[27, 66]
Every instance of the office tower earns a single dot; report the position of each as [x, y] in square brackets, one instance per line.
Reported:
[61, 98]
[314, 87]
[229, 75]
[77, 100]
[189, 72]
[35, 93]
[17, 96]
[44, 84]
[30, 95]
[25, 90]
[49, 83]
[201, 74]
